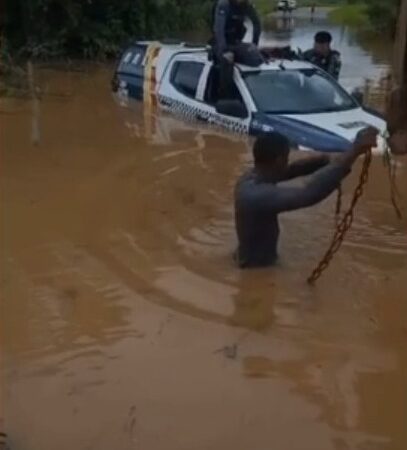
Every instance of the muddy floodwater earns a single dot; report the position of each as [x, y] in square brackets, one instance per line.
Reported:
[124, 322]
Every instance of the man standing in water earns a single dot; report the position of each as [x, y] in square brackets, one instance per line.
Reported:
[323, 56]
[228, 33]
[267, 190]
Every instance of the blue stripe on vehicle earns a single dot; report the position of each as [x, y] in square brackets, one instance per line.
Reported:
[300, 133]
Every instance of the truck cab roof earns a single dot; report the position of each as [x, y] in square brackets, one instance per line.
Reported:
[199, 53]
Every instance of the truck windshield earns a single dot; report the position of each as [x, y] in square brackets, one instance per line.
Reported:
[304, 91]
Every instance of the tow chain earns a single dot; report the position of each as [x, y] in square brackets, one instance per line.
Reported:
[344, 223]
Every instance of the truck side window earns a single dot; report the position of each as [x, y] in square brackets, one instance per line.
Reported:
[211, 91]
[185, 77]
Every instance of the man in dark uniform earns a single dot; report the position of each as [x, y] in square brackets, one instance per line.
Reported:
[228, 33]
[269, 189]
[323, 56]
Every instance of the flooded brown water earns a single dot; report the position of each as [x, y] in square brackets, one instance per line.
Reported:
[125, 324]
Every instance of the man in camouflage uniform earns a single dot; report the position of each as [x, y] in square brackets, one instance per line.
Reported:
[323, 56]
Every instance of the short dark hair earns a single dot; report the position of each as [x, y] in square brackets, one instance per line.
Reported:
[323, 37]
[268, 147]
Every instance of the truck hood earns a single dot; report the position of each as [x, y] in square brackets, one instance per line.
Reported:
[327, 132]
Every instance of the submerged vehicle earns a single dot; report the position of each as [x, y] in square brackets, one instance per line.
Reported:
[292, 97]
[286, 5]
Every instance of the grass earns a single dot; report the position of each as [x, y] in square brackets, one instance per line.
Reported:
[264, 7]
[308, 3]
[352, 15]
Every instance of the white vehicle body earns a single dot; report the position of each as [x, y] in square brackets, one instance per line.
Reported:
[287, 5]
[276, 96]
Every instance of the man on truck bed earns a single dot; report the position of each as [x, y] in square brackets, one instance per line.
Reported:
[228, 33]
[323, 56]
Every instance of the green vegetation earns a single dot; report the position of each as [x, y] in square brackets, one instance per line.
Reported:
[264, 7]
[383, 14]
[93, 28]
[332, 3]
[352, 15]
[377, 16]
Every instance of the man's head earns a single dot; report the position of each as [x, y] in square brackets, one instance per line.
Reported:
[270, 153]
[322, 42]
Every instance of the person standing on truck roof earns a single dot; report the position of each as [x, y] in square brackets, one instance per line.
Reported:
[323, 56]
[228, 33]
[268, 190]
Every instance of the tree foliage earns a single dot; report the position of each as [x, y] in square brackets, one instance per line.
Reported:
[94, 28]
[99, 28]
[383, 14]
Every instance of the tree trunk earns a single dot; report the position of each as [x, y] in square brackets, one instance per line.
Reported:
[397, 111]
[400, 47]
[35, 118]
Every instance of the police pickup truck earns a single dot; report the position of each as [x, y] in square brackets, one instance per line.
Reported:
[292, 97]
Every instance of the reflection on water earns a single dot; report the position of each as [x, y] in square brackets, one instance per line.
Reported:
[119, 289]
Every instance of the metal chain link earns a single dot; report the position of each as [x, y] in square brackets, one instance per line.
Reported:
[344, 224]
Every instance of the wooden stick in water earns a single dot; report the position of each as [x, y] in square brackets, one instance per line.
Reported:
[35, 121]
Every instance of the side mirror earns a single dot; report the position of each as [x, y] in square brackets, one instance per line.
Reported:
[358, 96]
[234, 108]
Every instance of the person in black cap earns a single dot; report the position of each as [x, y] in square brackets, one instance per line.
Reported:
[323, 56]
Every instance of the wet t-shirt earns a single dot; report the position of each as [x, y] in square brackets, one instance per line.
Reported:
[258, 203]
